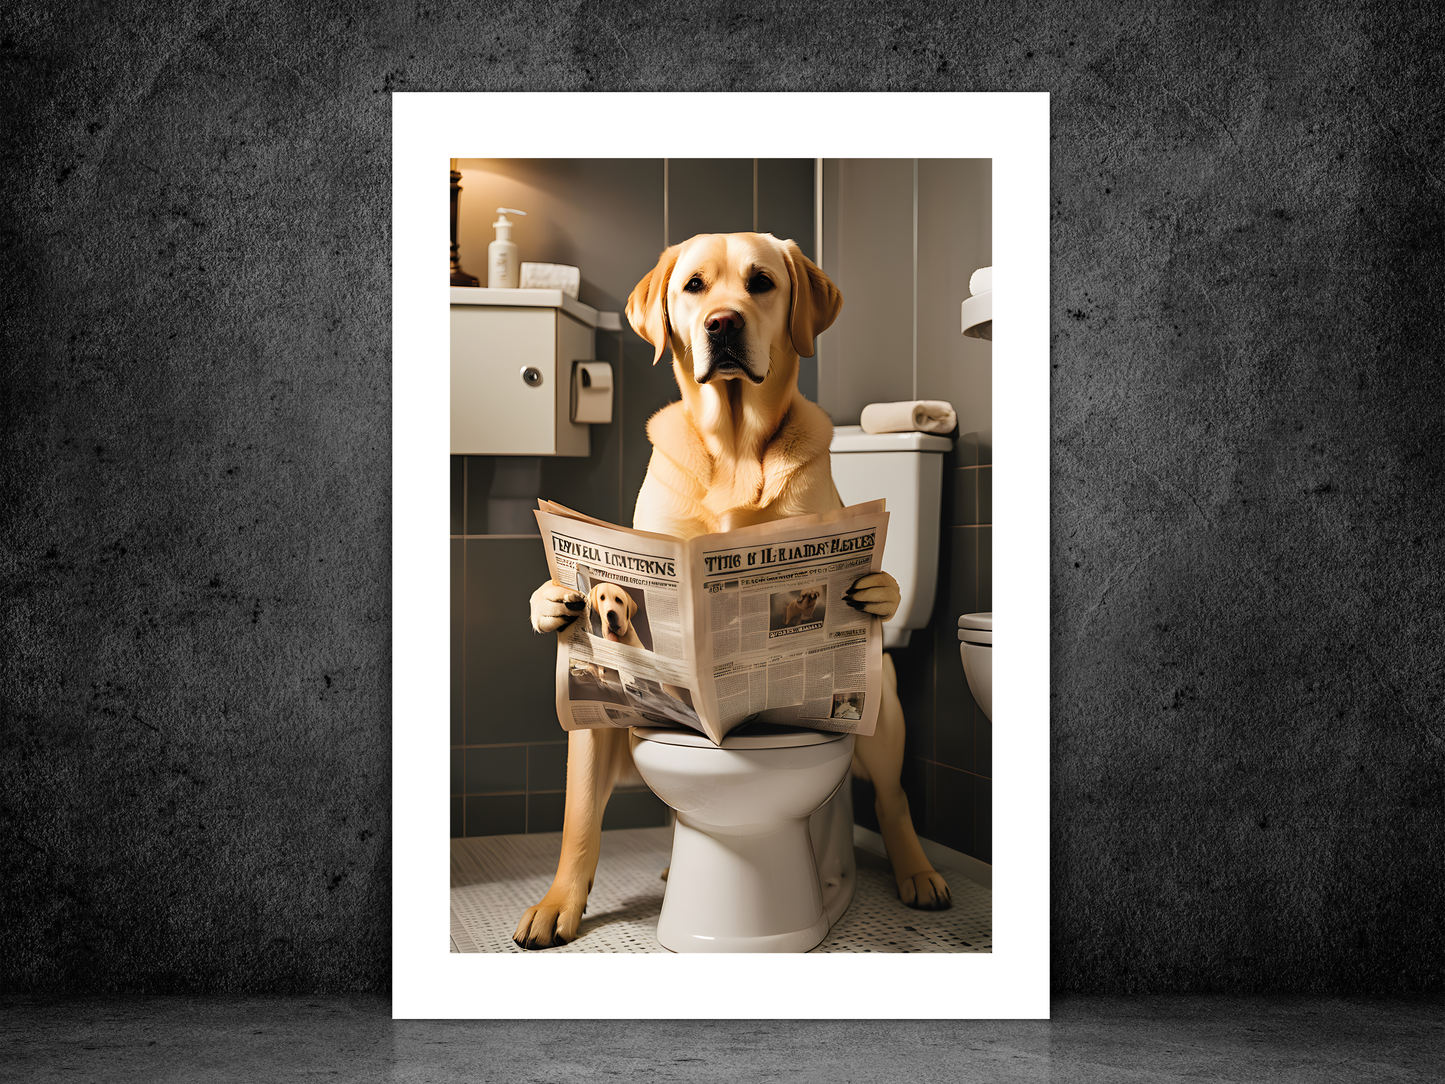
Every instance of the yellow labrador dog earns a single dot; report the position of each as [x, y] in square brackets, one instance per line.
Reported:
[743, 446]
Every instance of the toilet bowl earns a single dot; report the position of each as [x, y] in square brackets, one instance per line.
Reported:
[762, 851]
[975, 635]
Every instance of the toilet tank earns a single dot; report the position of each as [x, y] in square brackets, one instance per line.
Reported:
[906, 469]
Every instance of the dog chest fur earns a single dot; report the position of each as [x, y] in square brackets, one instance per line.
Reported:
[692, 489]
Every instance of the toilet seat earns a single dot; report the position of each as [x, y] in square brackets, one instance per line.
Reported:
[976, 629]
[975, 648]
[747, 736]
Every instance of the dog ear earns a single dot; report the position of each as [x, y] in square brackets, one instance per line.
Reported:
[816, 301]
[631, 602]
[647, 304]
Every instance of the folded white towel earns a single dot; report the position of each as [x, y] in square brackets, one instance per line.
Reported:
[552, 276]
[918, 416]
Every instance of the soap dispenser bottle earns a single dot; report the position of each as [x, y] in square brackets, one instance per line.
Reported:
[502, 265]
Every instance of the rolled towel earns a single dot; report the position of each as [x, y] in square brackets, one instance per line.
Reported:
[918, 416]
[551, 276]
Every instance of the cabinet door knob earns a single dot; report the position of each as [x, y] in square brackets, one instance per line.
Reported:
[532, 377]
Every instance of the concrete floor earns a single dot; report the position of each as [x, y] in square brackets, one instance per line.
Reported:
[1198, 1039]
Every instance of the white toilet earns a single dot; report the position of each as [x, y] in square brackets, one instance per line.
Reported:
[975, 635]
[762, 854]
[752, 869]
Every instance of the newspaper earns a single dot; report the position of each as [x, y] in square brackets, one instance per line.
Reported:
[719, 630]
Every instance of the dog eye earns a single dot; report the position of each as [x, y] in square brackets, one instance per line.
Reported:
[759, 284]
[694, 284]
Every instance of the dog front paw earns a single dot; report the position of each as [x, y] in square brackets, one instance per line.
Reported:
[553, 922]
[877, 593]
[555, 607]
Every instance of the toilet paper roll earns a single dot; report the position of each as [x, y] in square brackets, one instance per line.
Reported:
[552, 276]
[917, 416]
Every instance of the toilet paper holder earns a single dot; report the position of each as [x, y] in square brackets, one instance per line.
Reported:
[592, 392]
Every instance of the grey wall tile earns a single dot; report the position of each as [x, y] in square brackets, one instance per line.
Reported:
[955, 712]
[863, 812]
[634, 809]
[869, 356]
[917, 777]
[983, 819]
[785, 209]
[985, 495]
[964, 452]
[985, 570]
[808, 378]
[709, 195]
[914, 666]
[459, 493]
[960, 496]
[479, 471]
[956, 815]
[546, 767]
[545, 812]
[511, 499]
[649, 388]
[496, 770]
[962, 577]
[955, 742]
[827, 350]
[982, 745]
[459, 828]
[509, 668]
[955, 238]
[785, 200]
[496, 814]
[458, 783]
[457, 667]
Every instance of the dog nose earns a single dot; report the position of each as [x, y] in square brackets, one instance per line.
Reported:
[724, 322]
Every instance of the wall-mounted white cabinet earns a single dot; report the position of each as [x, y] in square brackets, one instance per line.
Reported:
[512, 359]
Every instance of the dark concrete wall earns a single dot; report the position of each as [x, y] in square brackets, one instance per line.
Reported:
[1247, 225]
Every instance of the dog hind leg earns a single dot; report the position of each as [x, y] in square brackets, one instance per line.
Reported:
[881, 756]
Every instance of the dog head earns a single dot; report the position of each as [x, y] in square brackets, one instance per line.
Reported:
[727, 304]
[808, 598]
[614, 606]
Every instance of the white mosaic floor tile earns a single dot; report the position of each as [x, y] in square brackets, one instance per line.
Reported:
[496, 878]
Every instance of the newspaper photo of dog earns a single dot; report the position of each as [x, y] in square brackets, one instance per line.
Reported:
[618, 614]
[615, 613]
[801, 609]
